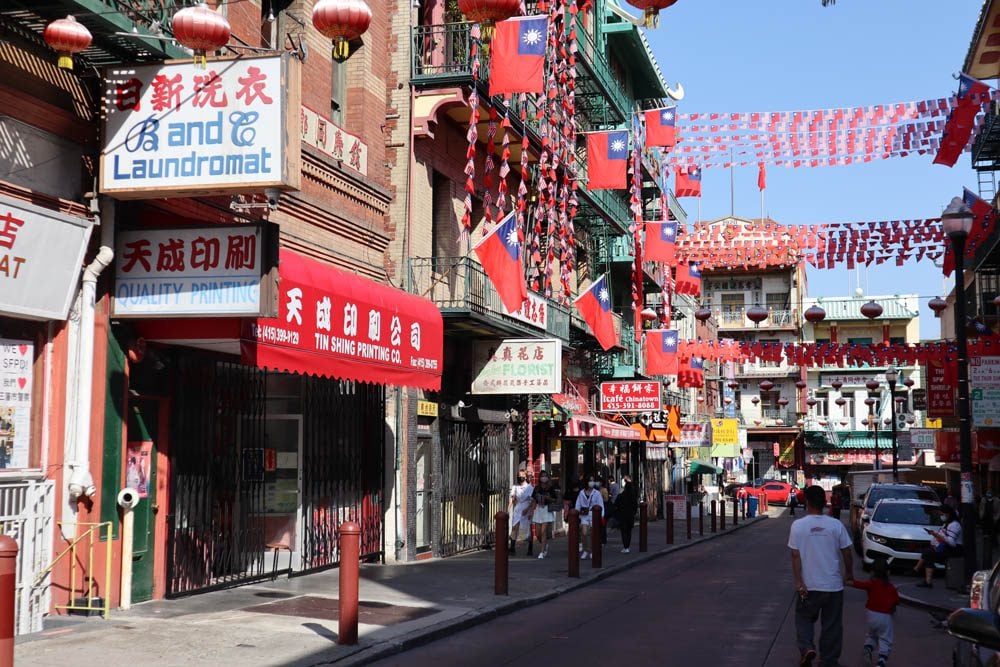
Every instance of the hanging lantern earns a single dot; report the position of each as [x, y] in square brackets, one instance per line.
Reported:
[823, 423]
[814, 314]
[779, 422]
[755, 400]
[871, 310]
[757, 314]
[872, 385]
[910, 419]
[703, 314]
[727, 400]
[67, 37]
[837, 384]
[811, 401]
[801, 384]
[201, 30]
[782, 401]
[844, 422]
[343, 21]
[869, 401]
[647, 314]
[841, 401]
[757, 422]
[651, 10]
[800, 422]
[996, 300]
[766, 385]
[908, 382]
[865, 422]
[701, 398]
[937, 304]
[887, 421]
[901, 399]
[732, 384]
[487, 13]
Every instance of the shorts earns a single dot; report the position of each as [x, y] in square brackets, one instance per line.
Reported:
[542, 515]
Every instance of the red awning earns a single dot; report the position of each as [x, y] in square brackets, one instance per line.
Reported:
[339, 325]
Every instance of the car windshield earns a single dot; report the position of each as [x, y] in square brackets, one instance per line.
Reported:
[914, 515]
[896, 492]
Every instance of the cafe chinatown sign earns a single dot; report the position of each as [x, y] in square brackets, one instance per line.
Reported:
[176, 129]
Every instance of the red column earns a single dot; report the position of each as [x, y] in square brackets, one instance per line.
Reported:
[573, 542]
[350, 563]
[8, 587]
[502, 530]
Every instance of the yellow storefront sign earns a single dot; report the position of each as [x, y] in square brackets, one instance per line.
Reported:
[427, 409]
[932, 423]
[725, 432]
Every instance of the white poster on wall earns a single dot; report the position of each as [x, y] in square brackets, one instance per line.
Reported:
[521, 366]
[16, 357]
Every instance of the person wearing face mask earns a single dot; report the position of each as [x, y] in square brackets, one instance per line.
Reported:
[520, 511]
[625, 509]
[589, 498]
[544, 502]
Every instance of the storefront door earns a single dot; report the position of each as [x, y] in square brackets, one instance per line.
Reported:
[425, 493]
[140, 474]
[282, 488]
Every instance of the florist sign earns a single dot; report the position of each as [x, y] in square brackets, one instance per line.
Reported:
[522, 366]
[177, 129]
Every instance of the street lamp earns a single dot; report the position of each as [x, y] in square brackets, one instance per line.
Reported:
[873, 420]
[956, 220]
[891, 375]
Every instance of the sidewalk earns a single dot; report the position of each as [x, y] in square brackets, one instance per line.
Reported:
[938, 598]
[294, 621]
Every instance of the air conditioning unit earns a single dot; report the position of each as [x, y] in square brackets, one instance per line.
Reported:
[901, 420]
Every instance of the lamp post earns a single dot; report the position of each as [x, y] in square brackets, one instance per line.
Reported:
[873, 421]
[956, 221]
[891, 375]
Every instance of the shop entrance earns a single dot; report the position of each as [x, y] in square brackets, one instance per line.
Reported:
[282, 489]
[142, 439]
[425, 494]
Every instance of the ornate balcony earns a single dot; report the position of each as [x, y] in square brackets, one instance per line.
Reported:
[776, 319]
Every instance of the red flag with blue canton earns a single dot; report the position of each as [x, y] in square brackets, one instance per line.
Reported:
[500, 254]
[595, 307]
[688, 182]
[661, 242]
[518, 63]
[971, 91]
[661, 127]
[688, 279]
[691, 373]
[607, 156]
[661, 352]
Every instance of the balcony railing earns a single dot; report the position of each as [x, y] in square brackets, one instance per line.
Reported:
[592, 56]
[459, 285]
[736, 318]
[624, 361]
[765, 369]
[770, 416]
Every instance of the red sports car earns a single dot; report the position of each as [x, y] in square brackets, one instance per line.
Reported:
[777, 492]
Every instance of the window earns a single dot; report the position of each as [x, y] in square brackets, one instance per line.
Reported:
[338, 92]
[732, 308]
[776, 301]
[860, 341]
[848, 408]
[822, 407]
[444, 227]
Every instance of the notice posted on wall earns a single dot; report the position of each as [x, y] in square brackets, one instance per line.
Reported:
[16, 357]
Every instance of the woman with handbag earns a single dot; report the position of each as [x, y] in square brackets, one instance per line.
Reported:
[945, 543]
[588, 499]
[544, 498]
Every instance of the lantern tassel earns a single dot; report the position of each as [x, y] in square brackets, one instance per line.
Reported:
[341, 49]
[66, 61]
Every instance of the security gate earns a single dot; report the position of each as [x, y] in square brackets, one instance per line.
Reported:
[474, 458]
[26, 514]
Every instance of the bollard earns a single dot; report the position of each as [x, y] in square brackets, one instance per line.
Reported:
[502, 527]
[596, 548]
[714, 527]
[722, 517]
[689, 519]
[573, 542]
[701, 517]
[743, 507]
[643, 527]
[670, 523]
[8, 586]
[350, 564]
[736, 518]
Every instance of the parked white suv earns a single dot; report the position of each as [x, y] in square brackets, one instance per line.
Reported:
[877, 492]
[898, 530]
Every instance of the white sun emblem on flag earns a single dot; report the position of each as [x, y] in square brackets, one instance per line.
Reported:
[512, 237]
[667, 116]
[617, 145]
[603, 294]
[532, 36]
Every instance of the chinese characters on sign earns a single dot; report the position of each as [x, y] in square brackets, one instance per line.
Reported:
[322, 134]
[178, 129]
[631, 396]
[940, 389]
[16, 358]
[855, 380]
[191, 271]
[522, 366]
[725, 431]
[533, 311]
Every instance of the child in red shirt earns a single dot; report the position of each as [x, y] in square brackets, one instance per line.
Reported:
[881, 605]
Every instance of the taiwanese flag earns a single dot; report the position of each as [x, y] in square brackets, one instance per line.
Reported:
[661, 127]
[761, 177]
[691, 373]
[661, 352]
[688, 182]
[607, 156]
[661, 240]
[688, 279]
[971, 92]
[500, 254]
[518, 62]
[980, 208]
[595, 306]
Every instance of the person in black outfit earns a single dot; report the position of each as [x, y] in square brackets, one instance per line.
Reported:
[625, 509]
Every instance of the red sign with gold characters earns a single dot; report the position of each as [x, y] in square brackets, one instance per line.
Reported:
[631, 396]
[941, 383]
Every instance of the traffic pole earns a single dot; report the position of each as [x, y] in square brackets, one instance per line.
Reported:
[701, 517]
[502, 529]
[670, 522]
[722, 517]
[596, 529]
[714, 509]
[643, 527]
[350, 565]
[573, 542]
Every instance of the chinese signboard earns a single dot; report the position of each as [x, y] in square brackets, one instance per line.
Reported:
[522, 366]
[427, 409]
[41, 254]
[196, 271]
[922, 438]
[176, 129]
[919, 398]
[16, 357]
[631, 396]
[694, 435]
[984, 377]
[849, 380]
[940, 389]
[725, 431]
[534, 311]
[321, 133]
[839, 458]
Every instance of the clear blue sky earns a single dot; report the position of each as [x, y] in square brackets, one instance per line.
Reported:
[789, 55]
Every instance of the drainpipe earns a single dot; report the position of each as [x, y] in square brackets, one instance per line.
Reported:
[79, 481]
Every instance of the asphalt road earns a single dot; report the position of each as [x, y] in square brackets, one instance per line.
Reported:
[725, 602]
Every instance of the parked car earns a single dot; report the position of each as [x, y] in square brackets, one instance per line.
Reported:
[777, 492]
[898, 532]
[732, 489]
[979, 623]
[877, 492]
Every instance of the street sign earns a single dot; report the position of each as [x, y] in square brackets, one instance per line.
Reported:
[984, 376]
[919, 397]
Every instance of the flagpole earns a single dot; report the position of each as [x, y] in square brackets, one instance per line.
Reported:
[732, 185]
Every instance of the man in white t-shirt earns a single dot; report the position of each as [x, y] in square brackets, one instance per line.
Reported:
[818, 545]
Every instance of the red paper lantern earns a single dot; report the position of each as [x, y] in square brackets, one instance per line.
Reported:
[844, 422]
[727, 400]
[823, 422]
[782, 401]
[757, 314]
[488, 12]
[908, 382]
[811, 401]
[766, 385]
[872, 385]
[703, 314]
[201, 30]
[779, 422]
[814, 314]
[871, 310]
[647, 314]
[701, 398]
[755, 400]
[651, 10]
[800, 422]
[67, 37]
[937, 304]
[342, 21]
[732, 384]
[869, 401]
[837, 384]
[757, 422]
[801, 384]
[841, 401]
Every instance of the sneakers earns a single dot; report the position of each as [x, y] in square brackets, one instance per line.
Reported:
[542, 555]
[807, 657]
[867, 656]
[626, 550]
[585, 555]
[882, 660]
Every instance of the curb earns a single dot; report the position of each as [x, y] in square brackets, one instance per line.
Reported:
[924, 605]
[390, 647]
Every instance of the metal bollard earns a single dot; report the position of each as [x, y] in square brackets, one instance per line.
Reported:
[743, 507]
[714, 512]
[643, 527]
[501, 523]
[8, 587]
[350, 564]
[596, 548]
[701, 517]
[722, 517]
[689, 519]
[573, 542]
[736, 512]
[670, 522]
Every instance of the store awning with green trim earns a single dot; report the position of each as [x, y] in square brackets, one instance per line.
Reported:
[847, 440]
[702, 467]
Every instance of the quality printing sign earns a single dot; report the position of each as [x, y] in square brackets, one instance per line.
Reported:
[219, 271]
[176, 129]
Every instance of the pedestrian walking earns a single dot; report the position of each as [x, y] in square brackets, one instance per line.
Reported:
[793, 500]
[625, 508]
[945, 543]
[545, 502]
[520, 510]
[880, 606]
[589, 498]
[818, 544]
